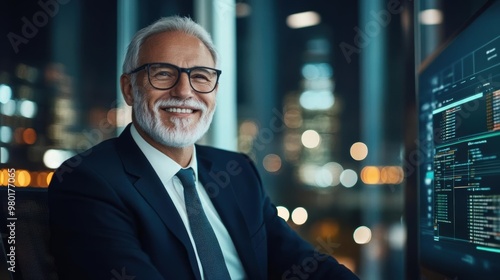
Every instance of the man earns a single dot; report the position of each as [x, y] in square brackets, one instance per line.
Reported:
[151, 204]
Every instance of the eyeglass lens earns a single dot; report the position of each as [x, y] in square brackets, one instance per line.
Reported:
[164, 76]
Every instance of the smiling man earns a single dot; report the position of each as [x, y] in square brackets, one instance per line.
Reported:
[151, 204]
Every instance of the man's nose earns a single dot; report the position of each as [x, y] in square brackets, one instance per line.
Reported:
[183, 87]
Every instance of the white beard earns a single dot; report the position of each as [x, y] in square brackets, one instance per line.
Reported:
[178, 136]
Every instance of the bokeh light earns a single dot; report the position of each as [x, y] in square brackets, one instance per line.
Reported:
[323, 178]
[310, 139]
[307, 174]
[304, 19]
[397, 236]
[317, 99]
[4, 155]
[348, 178]
[249, 128]
[370, 175]
[431, 17]
[293, 118]
[391, 175]
[362, 235]
[272, 163]
[4, 177]
[5, 93]
[9, 108]
[283, 212]
[299, 216]
[49, 177]
[5, 134]
[359, 151]
[315, 71]
[54, 158]
[335, 169]
[23, 178]
[27, 108]
[29, 136]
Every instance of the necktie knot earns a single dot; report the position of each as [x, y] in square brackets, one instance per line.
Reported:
[186, 176]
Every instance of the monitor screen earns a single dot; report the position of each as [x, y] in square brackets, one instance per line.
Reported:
[459, 153]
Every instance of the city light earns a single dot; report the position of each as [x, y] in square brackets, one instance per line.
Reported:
[348, 178]
[317, 99]
[4, 155]
[249, 128]
[323, 178]
[283, 212]
[310, 139]
[272, 163]
[307, 173]
[359, 151]
[5, 134]
[53, 158]
[315, 71]
[9, 108]
[370, 175]
[5, 93]
[431, 17]
[301, 20]
[373, 175]
[335, 169]
[362, 235]
[23, 178]
[299, 216]
[29, 136]
[293, 118]
[397, 236]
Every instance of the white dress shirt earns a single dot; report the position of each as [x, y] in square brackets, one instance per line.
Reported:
[166, 168]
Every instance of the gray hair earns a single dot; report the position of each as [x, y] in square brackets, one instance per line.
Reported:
[166, 24]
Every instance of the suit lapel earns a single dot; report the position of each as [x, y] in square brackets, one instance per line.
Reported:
[149, 185]
[231, 215]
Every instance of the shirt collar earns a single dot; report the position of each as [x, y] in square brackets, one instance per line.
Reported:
[165, 167]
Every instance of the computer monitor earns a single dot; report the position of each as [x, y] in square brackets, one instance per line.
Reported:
[458, 92]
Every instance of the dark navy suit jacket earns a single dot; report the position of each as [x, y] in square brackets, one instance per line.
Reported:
[111, 218]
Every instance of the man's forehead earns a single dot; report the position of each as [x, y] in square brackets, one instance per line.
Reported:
[173, 39]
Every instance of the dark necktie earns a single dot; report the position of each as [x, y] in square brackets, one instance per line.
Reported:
[207, 246]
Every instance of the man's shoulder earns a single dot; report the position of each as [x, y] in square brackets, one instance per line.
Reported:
[99, 159]
[101, 151]
[98, 155]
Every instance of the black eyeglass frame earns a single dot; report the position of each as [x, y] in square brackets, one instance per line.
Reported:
[180, 70]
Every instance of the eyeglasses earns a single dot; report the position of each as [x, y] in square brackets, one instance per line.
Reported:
[165, 76]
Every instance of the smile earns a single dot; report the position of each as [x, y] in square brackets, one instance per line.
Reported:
[179, 110]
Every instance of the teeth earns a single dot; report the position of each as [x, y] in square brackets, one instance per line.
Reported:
[179, 110]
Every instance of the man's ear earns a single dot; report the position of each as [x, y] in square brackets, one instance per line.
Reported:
[126, 87]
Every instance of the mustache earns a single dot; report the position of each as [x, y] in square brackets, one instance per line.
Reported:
[174, 102]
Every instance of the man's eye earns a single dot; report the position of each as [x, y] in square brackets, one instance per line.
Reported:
[163, 74]
[200, 77]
